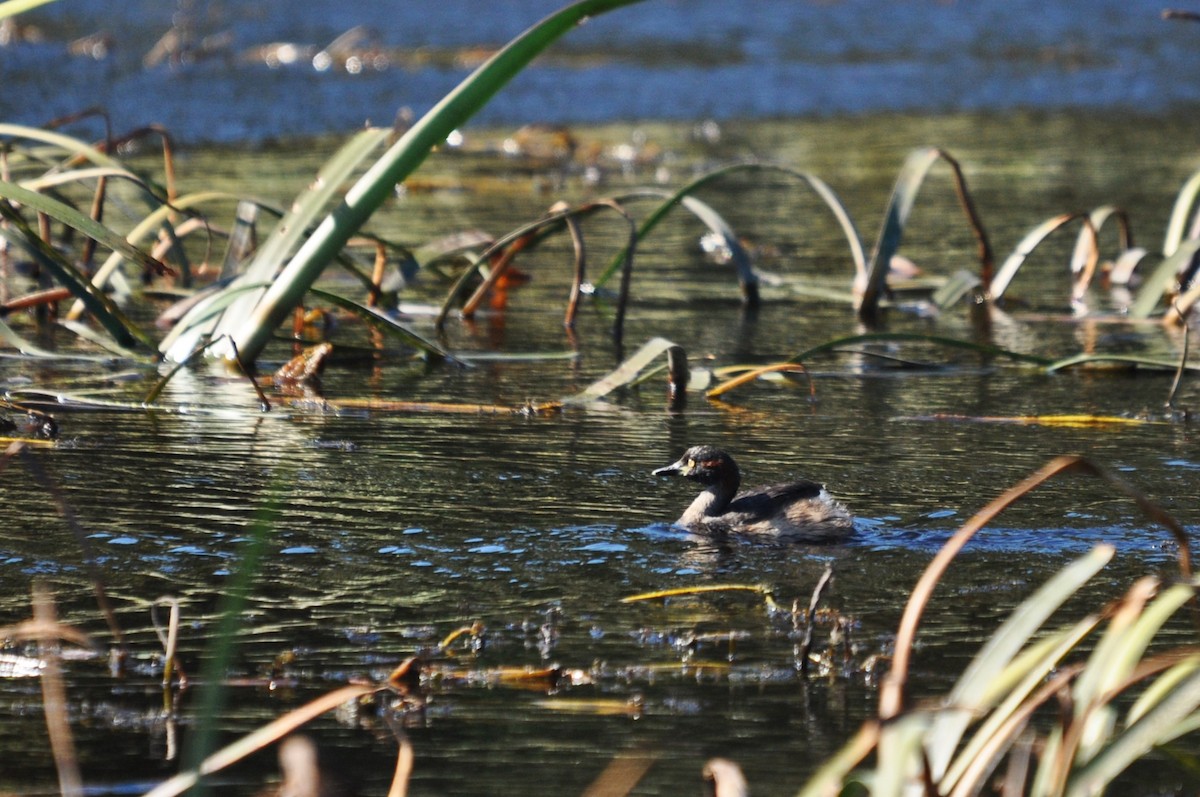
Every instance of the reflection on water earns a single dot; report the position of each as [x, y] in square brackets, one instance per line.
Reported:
[207, 69]
[397, 528]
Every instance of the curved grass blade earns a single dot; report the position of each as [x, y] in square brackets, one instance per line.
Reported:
[975, 687]
[55, 179]
[754, 373]
[1185, 200]
[153, 221]
[1125, 359]
[122, 330]
[1159, 283]
[878, 337]
[1031, 241]
[381, 321]
[67, 144]
[624, 374]
[260, 738]
[252, 332]
[827, 195]
[9, 336]
[1158, 725]
[904, 194]
[73, 218]
[1087, 242]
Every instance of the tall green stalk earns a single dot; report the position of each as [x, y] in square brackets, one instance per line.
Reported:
[252, 333]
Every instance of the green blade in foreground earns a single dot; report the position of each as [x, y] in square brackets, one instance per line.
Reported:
[13, 7]
[373, 188]
[908, 183]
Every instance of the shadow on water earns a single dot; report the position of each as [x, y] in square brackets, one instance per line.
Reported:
[400, 527]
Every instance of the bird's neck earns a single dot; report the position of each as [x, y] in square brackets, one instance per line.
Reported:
[713, 501]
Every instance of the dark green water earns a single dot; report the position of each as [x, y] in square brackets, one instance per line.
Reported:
[395, 528]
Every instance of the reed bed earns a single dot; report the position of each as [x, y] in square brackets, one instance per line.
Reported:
[1119, 697]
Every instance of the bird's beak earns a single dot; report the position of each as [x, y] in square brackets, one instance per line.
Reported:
[680, 467]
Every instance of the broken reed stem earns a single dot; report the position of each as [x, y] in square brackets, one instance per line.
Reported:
[54, 695]
[580, 271]
[169, 640]
[810, 617]
[986, 259]
[1178, 380]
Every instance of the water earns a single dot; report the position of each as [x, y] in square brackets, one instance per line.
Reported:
[655, 60]
[395, 528]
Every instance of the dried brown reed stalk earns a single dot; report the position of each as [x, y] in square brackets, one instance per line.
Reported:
[54, 695]
[892, 688]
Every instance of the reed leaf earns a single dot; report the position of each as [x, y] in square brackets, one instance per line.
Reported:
[122, 330]
[1185, 200]
[1032, 667]
[904, 194]
[379, 320]
[1031, 241]
[252, 330]
[300, 218]
[274, 251]
[623, 374]
[13, 7]
[71, 217]
[974, 688]
[1161, 688]
[822, 189]
[912, 337]
[1174, 714]
[1163, 279]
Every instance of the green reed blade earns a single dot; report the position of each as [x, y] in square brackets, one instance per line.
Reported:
[13, 7]
[385, 323]
[819, 187]
[1161, 279]
[252, 331]
[122, 330]
[904, 194]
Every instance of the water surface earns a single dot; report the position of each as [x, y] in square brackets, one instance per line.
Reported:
[396, 528]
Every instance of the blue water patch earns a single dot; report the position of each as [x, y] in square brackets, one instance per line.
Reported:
[604, 547]
[396, 549]
[191, 550]
[123, 541]
[299, 549]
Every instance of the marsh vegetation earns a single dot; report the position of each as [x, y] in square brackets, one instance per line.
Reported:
[436, 533]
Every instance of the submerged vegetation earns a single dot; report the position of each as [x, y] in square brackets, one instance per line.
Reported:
[1118, 688]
